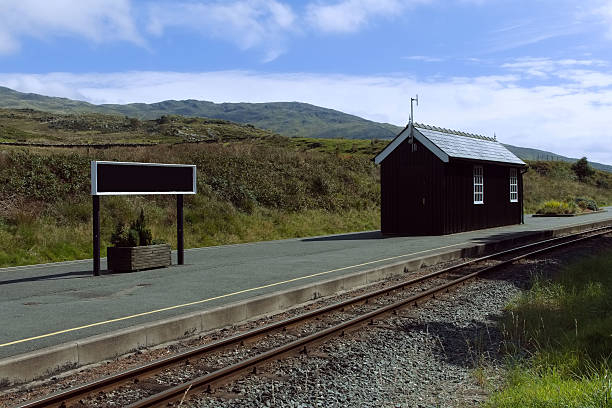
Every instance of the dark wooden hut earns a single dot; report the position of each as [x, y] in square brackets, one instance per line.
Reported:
[437, 181]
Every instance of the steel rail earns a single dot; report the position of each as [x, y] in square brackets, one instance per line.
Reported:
[63, 398]
[181, 391]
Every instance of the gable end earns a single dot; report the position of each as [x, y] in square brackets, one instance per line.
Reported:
[405, 134]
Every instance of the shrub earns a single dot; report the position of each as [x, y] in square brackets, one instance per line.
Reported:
[582, 169]
[124, 236]
[137, 234]
[586, 204]
[557, 207]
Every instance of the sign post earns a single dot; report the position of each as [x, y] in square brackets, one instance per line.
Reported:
[96, 235]
[180, 252]
[129, 178]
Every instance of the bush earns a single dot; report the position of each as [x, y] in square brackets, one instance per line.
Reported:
[557, 207]
[124, 237]
[582, 169]
[586, 204]
[136, 235]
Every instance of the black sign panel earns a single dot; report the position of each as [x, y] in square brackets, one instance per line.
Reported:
[120, 178]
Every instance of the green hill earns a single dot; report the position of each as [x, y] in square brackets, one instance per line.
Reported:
[526, 153]
[30, 126]
[292, 119]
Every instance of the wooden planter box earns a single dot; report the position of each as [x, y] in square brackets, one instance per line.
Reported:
[129, 259]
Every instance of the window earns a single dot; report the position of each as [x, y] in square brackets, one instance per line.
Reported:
[478, 185]
[513, 186]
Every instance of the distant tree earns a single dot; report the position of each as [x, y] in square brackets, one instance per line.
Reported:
[134, 123]
[582, 169]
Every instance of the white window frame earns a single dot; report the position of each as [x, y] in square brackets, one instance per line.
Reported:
[478, 185]
[513, 185]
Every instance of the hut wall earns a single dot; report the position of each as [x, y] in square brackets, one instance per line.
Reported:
[413, 190]
[461, 214]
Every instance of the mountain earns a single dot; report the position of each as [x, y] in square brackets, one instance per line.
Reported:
[294, 119]
[527, 153]
[287, 118]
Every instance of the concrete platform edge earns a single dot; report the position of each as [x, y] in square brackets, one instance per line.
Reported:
[44, 362]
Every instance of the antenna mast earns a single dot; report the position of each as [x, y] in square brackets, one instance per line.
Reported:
[412, 109]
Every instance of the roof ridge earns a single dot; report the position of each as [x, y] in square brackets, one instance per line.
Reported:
[454, 132]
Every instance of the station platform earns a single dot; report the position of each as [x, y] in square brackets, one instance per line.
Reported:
[58, 314]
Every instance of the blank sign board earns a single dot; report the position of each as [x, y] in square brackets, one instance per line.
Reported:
[122, 178]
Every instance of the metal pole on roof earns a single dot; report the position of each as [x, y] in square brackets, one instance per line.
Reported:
[411, 108]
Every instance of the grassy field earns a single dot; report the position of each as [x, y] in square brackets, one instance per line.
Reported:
[559, 340]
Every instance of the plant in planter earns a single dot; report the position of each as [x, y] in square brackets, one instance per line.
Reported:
[134, 248]
[555, 207]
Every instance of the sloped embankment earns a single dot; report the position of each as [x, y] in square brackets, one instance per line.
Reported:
[247, 191]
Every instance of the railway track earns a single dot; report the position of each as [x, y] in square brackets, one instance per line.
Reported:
[172, 379]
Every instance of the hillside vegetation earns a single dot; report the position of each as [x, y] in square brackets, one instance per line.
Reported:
[29, 126]
[246, 192]
[554, 180]
[527, 153]
[293, 119]
[252, 184]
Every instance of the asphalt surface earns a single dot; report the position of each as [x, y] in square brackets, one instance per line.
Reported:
[43, 299]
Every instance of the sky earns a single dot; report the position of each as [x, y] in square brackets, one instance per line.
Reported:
[535, 73]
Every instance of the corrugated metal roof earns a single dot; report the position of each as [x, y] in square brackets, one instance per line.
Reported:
[467, 145]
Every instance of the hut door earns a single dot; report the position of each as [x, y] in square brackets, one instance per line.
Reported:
[421, 222]
[425, 205]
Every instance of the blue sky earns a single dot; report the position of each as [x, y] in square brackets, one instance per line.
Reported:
[535, 73]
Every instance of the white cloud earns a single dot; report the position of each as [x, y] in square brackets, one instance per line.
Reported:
[545, 67]
[95, 20]
[567, 118]
[605, 12]
[348, 16]
[246, 23]
[423, 58]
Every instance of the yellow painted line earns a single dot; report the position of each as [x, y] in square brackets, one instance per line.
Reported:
[197, 302]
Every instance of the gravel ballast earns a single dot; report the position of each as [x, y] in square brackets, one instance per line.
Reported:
[424, 357]
[444, 353]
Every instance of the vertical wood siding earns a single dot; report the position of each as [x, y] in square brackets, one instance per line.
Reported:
[461, 214]
[421, 195]
[413, 190]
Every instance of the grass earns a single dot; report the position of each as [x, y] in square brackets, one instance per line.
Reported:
[247, 191]
[556, 181]
[559, 340]
[552, 390]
